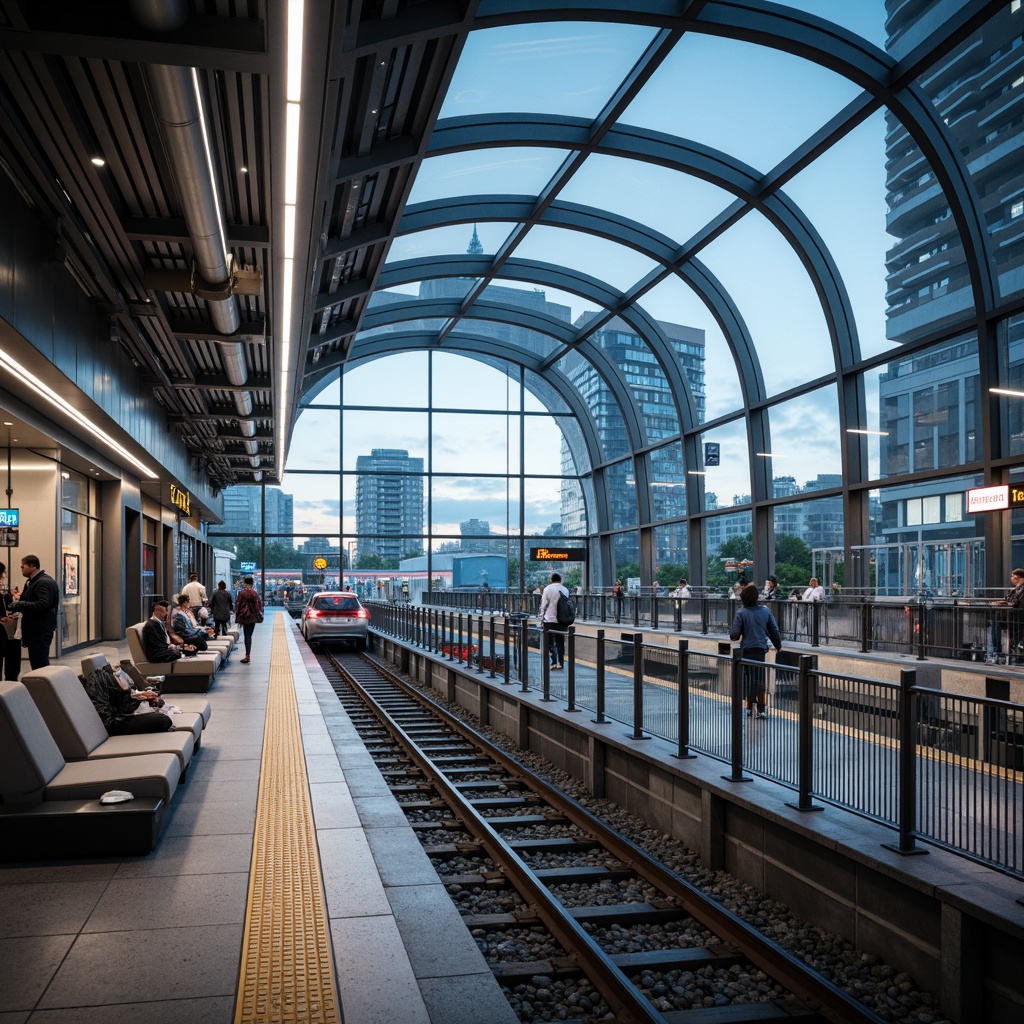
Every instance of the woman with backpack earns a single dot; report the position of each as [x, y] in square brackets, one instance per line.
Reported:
[248, 611]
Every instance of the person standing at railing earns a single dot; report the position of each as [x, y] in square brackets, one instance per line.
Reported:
[770, 591]
[1014, 600]
[754, 626]
[681, 593]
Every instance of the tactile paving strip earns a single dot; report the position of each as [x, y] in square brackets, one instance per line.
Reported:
[287, 973]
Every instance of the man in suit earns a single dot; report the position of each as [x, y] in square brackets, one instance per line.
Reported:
[159, 643]
[38, 606]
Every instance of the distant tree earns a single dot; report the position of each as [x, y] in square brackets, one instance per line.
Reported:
[626, 570]
[573, 577]
[669, 574]
[793, 551]
[370, 560]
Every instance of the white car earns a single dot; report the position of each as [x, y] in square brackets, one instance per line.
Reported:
[335, 615]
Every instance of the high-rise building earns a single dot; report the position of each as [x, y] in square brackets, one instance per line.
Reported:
[389, 503]
[242, 512]
[930, 401]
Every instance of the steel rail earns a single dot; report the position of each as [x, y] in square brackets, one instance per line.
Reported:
[811, 988]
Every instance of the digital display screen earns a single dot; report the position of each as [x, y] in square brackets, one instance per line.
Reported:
[10, 517]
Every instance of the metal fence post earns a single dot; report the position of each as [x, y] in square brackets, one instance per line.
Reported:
[599, 674]
[635, 602]
[546, 663]
[506, 636]
[570, 650]
[490, 645]
[922, 612]
[524, 649]
[638, 687]
[479, 645]
[907, 768]
[805, 735]
[865, 627]
[816, 623]
[683, 695]
[736, 685]
[705, 615]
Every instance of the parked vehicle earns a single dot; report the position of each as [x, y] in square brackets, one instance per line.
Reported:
[335, 615]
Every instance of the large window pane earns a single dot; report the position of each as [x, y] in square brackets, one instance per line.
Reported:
[363, 431]
[622, 494]
[376, 382]
[805, 437]
[500, 171]
[316, 440]
[729, 482]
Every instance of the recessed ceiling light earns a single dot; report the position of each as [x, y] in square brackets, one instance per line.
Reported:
[8, 423]
[244, 170]
[98, 161]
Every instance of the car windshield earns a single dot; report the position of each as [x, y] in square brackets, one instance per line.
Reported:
[338, 603]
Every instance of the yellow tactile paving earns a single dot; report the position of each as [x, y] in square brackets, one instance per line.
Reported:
[287, 973]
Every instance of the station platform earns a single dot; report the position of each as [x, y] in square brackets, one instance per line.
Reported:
[197, 930]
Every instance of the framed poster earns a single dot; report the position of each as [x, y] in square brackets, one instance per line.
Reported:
[71, 575]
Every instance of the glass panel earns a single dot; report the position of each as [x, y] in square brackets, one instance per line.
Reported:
[598, 398]
[364, 431]
[673, 203]
[316, 440]
[805, 438]
[776, 299]
[555, 302]
[507, 170]
[1011, 378]
[541, 396]
[627, 557]
[568, 68]
[461, 382]
[543, 503]
[74, 491]
[804, 532]
[315, 501]
[458, 500]
[715, 393]
[866, 18]
[532, 343]
[722, 530]
[977, 91]
[434, 290]
[373, 383]
[74, 587]
[670, 553]
[872, 438]
[742, 87]
[450, 240]
[929, 409]
[668, 483]
[910, 526]
[615, 264]
[855, 229]
[454, 452]
[729, 482]
[622, 494]
[327, 392]
[573, 507]
[543, 445]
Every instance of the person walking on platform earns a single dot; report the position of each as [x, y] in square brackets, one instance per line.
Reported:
[38, 606]
[221, 607]
[11, 647]
[248, 611]
[196, 592]
[548, 616]
[754, 626]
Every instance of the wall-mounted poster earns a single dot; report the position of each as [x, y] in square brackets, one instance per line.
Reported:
[71, 575]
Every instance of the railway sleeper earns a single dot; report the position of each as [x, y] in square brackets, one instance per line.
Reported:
[443, 851]
[488, 879]
[679, 958]
[525, 820]
[558, 876]
[742, 1013]
[627, 913]
[560, 845]
[509, 972]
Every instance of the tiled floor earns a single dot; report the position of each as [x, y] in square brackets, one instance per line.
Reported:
[158, 938]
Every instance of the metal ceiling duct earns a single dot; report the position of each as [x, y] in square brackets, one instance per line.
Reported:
[180, 115]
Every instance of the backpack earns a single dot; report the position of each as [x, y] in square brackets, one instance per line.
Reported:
[565, 610]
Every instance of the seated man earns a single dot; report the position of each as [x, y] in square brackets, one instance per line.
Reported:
[185, 626]
[116, 704]
[158, 643]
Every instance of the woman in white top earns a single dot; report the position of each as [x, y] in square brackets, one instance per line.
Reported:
[814, 592]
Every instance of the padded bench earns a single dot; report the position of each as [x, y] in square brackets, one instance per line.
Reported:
[185, 675]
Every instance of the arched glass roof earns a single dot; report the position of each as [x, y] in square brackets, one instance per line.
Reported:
[723, 227]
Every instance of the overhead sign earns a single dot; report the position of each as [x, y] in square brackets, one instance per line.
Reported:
[320, 563]
[712, 453]
[181, 499]
[247, 566]
[10, 517]
[994, 499]
[558, 554]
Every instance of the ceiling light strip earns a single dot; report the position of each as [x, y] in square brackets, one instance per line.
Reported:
[81, 420]
[293, 96]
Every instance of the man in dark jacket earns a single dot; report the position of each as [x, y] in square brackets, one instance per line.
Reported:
[38, 606]
[116, 705]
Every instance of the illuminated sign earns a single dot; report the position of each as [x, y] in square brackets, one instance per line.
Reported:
[10, 517]
[181, 499]
[247, 567]
[994, 499]
[320, 563]
[558, 554]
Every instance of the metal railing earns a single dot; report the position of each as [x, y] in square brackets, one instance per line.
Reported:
[930, 765]
[925, 627]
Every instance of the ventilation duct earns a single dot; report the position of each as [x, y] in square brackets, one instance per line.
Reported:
[176, 99]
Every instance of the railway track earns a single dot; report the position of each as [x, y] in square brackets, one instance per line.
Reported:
[562, 888]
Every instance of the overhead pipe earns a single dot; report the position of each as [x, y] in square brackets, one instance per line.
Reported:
[175, 96]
